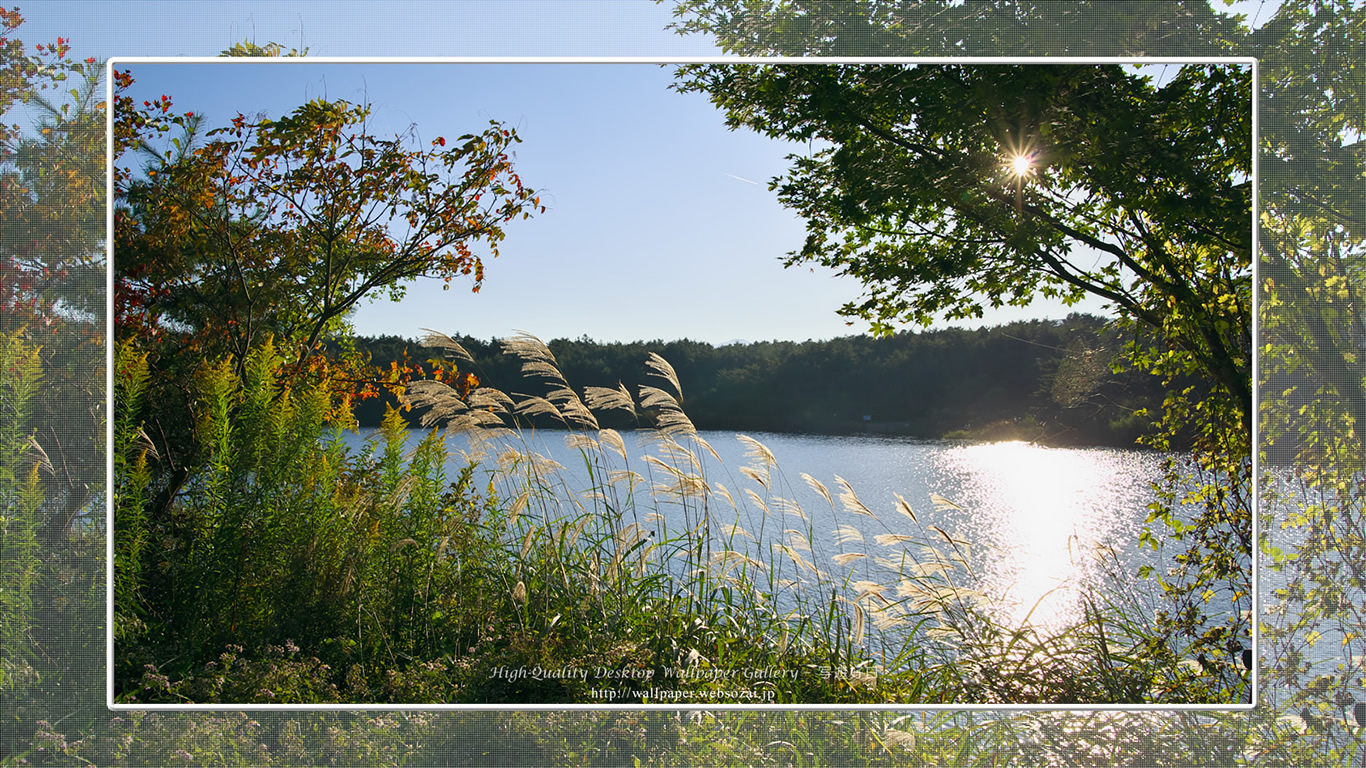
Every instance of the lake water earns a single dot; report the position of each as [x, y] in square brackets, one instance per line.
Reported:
[1028, 520]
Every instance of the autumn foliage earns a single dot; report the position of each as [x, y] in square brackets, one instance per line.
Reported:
[275, 229]
[281, 226]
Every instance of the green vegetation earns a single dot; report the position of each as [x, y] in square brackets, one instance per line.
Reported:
[1311, 534]
[947, 188]
[256, 560]
[294, 572]
[1051, 382]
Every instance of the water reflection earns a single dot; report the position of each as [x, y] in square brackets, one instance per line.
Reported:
[1031, 516]
[1040, 513]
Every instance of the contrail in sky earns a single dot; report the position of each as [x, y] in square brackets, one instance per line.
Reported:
[741, 178]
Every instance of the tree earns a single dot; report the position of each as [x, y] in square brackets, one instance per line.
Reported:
[281, 226]
[52, 384]
[1313, 235]
[51, 257]
[947, 188]
[954, 28]
[274, 230]
[1311, 377]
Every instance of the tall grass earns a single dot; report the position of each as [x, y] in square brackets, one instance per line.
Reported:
[21, 460]
[320, 575]
[901, 618]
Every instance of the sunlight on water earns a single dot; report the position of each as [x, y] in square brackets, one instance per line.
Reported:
[1032, 516]
[1041, 513]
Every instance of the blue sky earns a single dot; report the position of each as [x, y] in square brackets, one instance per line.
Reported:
[655, 226]
[654, 229]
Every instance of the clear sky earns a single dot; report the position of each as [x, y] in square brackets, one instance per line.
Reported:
[660, 224]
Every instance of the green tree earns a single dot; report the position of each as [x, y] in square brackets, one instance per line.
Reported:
[1310, 373]
[1313, 322]
[1312, 363]
[955, 28]
[945, 189]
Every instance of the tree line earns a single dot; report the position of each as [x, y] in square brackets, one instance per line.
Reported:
[1056, 382]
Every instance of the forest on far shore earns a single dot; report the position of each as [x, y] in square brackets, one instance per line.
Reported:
[1053, 382]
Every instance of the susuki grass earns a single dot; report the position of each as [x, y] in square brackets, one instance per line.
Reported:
[666, 577]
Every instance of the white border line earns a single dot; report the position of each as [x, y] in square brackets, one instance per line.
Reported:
[109, 381]
[697, 706]
[1254, 620]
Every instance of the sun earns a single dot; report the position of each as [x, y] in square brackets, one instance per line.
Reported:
[1021, 164]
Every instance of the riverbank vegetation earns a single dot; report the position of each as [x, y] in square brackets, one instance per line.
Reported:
[296, 572]
[1057, 382]
[52, 534]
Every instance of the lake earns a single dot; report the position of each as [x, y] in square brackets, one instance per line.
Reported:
[1027, 519]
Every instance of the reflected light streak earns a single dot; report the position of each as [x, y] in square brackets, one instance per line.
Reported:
[1042, 511]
